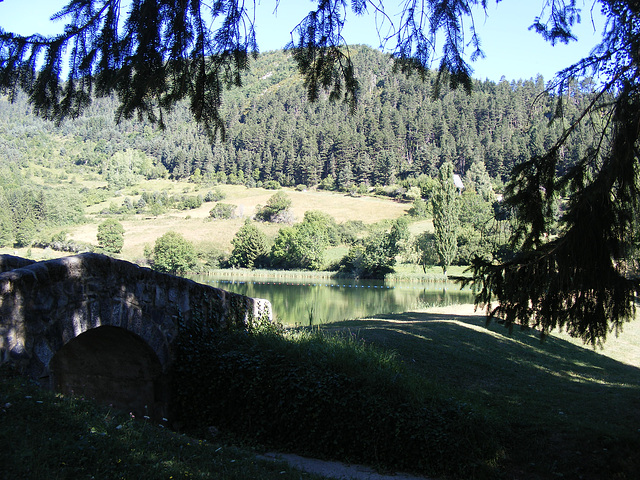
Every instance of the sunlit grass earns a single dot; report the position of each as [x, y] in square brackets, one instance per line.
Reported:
[195, 225]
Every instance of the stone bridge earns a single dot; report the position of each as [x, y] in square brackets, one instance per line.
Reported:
[104, 328]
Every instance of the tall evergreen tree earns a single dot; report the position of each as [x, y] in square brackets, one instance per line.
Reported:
[6, 222]
[445, 216]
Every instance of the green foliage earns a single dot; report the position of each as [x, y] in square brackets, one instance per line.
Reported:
[111, 236]
[375, 255]
[46, 435]
[189, 202]
[25, 232]
[6, 222]
[351, 230]
[272, 185]
[399, 236]
[173, 254]
[125, 168]
[472, 245]
[214, 195]
[426, 247]
[276, 210]
[475, 211]
[324, 225]
[60, 243]
[249, 246]
[445, 216]
[141, 204]
[323, 396]
[281, 152]
[479, 180]
[419, 209]
[568, 158]
[222, 211]
[299, 247]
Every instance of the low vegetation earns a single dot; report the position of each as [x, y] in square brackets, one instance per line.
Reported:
[46, 436]
[329, 396]
[490, 404]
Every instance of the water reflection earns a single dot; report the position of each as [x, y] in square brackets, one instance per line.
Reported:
[316, 301]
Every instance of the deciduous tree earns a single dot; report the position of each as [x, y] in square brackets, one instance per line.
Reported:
[174, 254]
[425, 246]
[111, 236]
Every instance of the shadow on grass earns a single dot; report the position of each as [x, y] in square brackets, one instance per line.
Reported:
[563, 401]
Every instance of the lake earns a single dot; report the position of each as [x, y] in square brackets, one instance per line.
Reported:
[312, 301]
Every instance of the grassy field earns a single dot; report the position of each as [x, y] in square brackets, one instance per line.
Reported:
[206, 234]
[564, 409]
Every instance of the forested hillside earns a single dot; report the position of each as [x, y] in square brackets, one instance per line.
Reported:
[399, 136]
[274, 133]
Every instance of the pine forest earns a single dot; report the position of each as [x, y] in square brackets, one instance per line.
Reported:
[393, 144]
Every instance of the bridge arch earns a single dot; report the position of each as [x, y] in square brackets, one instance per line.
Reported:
[114, 365]
[54, 311]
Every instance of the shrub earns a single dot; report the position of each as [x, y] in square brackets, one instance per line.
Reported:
[214, 195]
[222, 211]
[190, 202]
[276, 210]
[272, 185]
[419, 209]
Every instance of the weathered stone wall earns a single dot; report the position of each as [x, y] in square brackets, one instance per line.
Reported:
[10, 262]
[45, 305]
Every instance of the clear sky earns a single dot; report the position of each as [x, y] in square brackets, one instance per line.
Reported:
[511, 49]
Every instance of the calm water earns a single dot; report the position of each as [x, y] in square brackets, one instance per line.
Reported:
[316, 301]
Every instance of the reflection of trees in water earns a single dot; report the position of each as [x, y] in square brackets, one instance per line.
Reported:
[444, 296]
[316, 303]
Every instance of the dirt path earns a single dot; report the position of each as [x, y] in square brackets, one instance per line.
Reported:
[337, 470]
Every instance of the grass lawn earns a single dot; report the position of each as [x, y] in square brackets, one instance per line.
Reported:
[564, 409]
[560, 409]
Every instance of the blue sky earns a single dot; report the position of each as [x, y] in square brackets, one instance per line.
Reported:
[511, 49]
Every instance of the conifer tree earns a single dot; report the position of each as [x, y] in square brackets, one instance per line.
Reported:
[6, 222]
[249, 246]
[445, 217]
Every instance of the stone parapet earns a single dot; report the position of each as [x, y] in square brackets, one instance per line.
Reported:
[45, 305]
